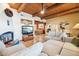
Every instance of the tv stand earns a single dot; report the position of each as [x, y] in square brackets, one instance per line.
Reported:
[27, 37]
[28, 40]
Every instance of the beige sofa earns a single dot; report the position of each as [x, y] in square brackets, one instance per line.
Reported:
[21, 50]
[53, 48]
[58, 36]
[48, 48]
[6, 51]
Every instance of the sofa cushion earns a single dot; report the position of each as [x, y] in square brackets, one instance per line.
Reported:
[54, 42]
[70, 46]
[2, 46]
[67, 52]
[70, 50]
[52, 47]
[56, 35]
[12, 49]
[34, 50]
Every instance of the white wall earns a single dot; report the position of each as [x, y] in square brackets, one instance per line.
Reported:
[17, 25]
[3, 23]
[14, 26]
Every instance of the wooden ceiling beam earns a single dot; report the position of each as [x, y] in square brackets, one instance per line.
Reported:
[21, 8]
[54, 6]
[63, 13]
[68, 12]
[15, 5]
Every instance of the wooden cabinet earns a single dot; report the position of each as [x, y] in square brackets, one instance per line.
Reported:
[28, 43]
[28, 40]
[27, 37]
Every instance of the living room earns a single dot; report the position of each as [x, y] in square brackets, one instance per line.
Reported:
[39, 29]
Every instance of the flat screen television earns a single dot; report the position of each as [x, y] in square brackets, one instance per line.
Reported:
[27, 30]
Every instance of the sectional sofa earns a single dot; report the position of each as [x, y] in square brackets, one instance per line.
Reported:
[48, 48]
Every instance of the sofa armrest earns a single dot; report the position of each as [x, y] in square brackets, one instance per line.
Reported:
[46, 38]
[68, 39]
[34, 50]
[69, 50]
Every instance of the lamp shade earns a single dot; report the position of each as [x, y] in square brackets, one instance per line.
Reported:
[76, 26]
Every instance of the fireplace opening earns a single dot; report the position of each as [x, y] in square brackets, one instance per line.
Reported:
[7, 37]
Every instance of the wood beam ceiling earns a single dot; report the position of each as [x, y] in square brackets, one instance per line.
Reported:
[63, 13]
[32, 8]
[60, 9]
[46, 7]
[51, 9]
[75, 8]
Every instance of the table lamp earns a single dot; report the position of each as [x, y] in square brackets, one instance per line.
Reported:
[76, 27]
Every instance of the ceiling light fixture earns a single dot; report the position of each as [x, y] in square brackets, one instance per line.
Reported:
[43, 10]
